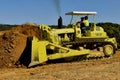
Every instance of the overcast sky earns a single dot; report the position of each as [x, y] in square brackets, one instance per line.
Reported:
[48, 11]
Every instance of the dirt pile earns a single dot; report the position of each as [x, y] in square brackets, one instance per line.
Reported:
[13, 43]
[28, 29]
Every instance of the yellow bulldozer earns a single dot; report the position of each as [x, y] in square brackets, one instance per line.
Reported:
[68, 42]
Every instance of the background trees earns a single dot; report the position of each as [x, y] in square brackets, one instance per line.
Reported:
[112, 29]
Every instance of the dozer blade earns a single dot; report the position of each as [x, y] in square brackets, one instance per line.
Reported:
[38, 52]
[34, 52]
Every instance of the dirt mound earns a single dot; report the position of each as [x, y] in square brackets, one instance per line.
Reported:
[13, 43]
[28, 29]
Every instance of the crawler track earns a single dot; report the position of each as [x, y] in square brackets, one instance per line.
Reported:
[96, 47]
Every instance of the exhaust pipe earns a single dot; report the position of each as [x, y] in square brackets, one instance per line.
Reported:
[60, 22]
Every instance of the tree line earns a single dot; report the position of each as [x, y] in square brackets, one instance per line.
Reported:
[6, 26]
[112, 29]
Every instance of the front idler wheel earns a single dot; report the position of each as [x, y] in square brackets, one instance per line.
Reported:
[108, 50]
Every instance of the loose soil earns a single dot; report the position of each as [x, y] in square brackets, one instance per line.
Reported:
[13, 42]
[103, 69]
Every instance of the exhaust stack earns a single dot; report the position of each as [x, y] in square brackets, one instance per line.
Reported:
[60, 22]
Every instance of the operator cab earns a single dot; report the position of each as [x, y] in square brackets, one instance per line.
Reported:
[79, 14]
[93, 31]
[78, 18]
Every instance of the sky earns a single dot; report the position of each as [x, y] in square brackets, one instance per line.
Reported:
[48, 11]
